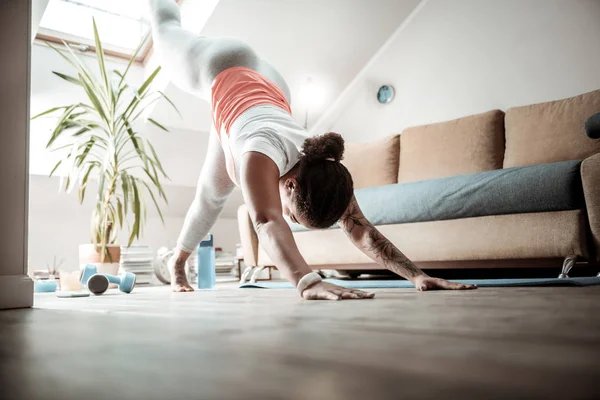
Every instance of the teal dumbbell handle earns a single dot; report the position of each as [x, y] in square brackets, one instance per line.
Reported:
[126, 281]
[113, 279]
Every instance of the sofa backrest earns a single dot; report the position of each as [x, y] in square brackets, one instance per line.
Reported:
[550, 132]
[462, 146]
[374, 163]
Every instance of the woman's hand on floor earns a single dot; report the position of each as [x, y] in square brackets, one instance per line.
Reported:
[424, 282]
[328, 291]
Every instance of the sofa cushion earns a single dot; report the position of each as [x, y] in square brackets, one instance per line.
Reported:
[374, 163]
[537, 188]
[462, 146]
[550, 132]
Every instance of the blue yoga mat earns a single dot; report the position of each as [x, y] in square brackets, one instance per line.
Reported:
[389, 284]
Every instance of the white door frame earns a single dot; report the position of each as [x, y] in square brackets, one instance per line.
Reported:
[16, 288]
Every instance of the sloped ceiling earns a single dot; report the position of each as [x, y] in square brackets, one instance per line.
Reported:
[326, 40]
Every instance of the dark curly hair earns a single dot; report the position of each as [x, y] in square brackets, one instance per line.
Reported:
[325, 186]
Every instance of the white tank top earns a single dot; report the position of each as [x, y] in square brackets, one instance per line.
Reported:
[268, 130]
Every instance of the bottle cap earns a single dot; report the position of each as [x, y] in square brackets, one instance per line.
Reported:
[207, 242]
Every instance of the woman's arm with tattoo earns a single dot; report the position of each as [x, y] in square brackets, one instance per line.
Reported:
[370, 241]
[260, 188]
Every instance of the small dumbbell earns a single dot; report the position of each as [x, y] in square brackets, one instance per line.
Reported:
[98, 283]
[126, 281]
[86, 273]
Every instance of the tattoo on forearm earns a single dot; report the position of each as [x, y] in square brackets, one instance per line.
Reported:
[350, 219]
[392, 258]
[380, 247]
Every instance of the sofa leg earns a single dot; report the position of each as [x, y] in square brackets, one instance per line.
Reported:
[567, 265]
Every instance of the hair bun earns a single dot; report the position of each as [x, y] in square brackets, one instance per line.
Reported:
[328, 145]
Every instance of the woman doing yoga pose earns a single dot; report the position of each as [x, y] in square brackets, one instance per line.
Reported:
[255, 144]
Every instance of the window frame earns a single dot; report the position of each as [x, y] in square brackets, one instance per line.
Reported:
[57, 37]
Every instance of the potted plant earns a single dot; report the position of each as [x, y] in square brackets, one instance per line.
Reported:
[104, 145]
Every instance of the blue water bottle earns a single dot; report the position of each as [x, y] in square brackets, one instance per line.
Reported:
[207, 277]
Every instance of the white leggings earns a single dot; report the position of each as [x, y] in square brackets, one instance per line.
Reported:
[192, 63]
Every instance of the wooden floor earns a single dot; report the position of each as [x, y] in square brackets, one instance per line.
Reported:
[504, 343]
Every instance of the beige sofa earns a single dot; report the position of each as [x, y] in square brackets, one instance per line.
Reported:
[534, 134]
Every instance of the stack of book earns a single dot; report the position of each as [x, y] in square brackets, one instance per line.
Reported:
[224, 262]
[138, 259]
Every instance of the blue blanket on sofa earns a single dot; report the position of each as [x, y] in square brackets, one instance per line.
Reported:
[536, 188]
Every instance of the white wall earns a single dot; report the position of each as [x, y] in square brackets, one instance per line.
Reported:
[58, 223]
[461, 57]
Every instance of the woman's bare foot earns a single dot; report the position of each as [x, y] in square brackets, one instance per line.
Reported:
[179, 282]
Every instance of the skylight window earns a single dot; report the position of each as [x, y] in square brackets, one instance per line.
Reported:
[120, 23]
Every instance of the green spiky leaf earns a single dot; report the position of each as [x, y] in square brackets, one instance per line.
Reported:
[68, 78]
[55, 167]
[164, 96]
[157, 124]
[49, 111]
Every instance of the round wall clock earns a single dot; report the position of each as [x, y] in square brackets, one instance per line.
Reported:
[160, 266]
[386, 94]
